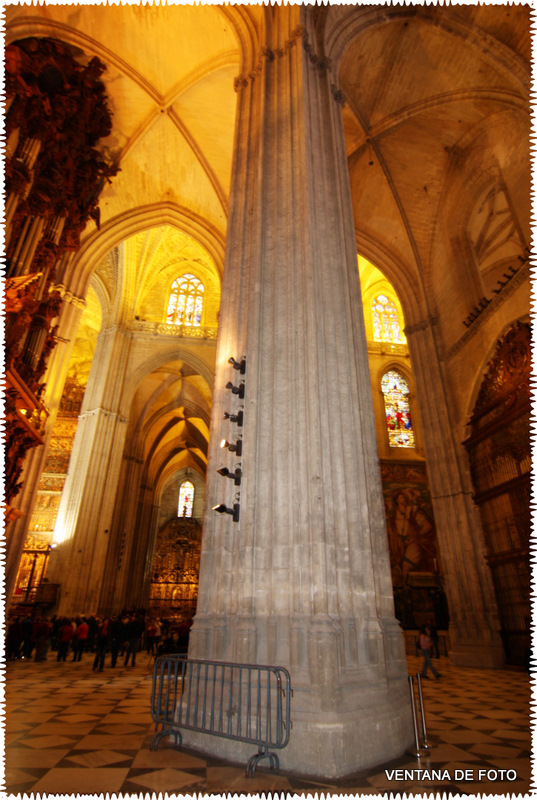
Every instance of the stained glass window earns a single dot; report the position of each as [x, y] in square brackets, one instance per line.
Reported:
[186, 499]
[398, 420]
[385, 320]
[185, 305]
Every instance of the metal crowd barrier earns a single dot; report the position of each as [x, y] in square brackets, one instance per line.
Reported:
[246, 702]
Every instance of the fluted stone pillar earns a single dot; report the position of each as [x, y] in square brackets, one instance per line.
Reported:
[474, 622]
[123, 581]
[87, 505]
[302, 580]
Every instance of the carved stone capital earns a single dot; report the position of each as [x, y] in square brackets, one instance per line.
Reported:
[267, 55]
[69, 297]
[422, 325]
[338, 95]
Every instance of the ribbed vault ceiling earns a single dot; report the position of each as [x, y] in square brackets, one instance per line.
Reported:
[429, 91]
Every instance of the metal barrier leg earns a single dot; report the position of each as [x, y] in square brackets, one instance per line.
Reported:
[254, 761]
[165, 732]
[414, 751]
[425, 745]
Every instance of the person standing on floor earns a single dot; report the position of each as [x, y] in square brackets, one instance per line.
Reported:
[103, 642]
[93, 630]
[14, 639]
[42, 634]
[115, 629]
[150, 634]
[426, 644]
[124, 634]
[27, 636]
[135, 629]
[79, 640]
[65, 635]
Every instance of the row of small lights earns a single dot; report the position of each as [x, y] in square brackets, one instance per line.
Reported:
[236, 447]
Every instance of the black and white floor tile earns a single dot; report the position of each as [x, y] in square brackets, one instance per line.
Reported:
[69, 730]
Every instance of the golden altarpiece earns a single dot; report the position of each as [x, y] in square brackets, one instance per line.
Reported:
[174, 577]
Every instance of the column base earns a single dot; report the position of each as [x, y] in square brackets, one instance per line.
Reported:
[336, 747]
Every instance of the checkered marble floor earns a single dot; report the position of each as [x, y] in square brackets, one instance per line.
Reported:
[70, 730]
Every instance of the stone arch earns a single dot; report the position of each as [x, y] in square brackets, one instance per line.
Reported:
[157, 467]
[344, 23]
[246, 27]
[94, 248]
[413, 305]
[174, 352]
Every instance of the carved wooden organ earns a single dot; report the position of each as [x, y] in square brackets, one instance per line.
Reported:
[56, 113]
[499, 450]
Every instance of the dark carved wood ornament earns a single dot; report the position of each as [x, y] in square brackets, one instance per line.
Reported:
[54, 172]
[499, 451]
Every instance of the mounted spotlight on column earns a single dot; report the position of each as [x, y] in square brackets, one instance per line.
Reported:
[234, 417]
[240, 365]
[239, 390]
[222, 509]
[236, 476]
[234, 448]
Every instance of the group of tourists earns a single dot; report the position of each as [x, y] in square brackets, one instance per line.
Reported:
[123, 636]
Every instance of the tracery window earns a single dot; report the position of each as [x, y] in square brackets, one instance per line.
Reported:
[185, 305]
[385, 320]
[397, 407]
[186, 499]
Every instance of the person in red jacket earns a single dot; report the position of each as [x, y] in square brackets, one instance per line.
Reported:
[65, 634]
[80, 639]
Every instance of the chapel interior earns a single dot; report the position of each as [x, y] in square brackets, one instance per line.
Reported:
[273, 262]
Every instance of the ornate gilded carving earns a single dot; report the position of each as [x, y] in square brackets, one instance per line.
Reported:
[54, 172]
[508, 377]
[72, 397]
[19, 439]
[174, 584]
[163, 329]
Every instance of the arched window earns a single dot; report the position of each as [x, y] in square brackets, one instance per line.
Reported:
[185, 305]
[398, 420]
[385, 320]
[186, 499]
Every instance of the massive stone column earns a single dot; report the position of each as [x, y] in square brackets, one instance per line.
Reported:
[474, 621]
[87, 505]
[302, 580]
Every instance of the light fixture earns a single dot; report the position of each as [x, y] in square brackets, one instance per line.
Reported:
[222, 509]
[236, 476]
[240, 365]
[234, 417]
[234, 448]
[236, 389]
